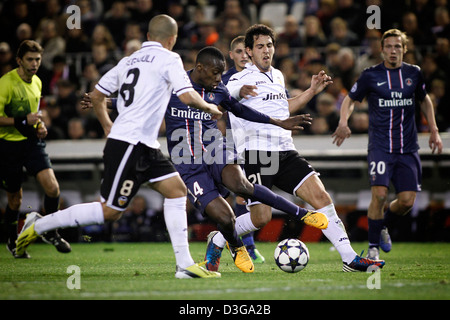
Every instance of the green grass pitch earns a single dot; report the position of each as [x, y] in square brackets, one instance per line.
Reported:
[146, 271]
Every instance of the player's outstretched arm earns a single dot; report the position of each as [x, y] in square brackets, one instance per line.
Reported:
[318, 83]
[293, 123]
[343, 131]
[193, 99]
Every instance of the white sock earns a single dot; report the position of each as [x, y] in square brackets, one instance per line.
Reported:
[337, 235]
[243, 226]
[176, 223]
[75, 216]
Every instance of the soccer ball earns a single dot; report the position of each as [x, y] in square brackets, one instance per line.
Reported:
[291, 255]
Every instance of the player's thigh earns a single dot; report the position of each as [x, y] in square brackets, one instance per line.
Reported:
[313, 192]
[380, 168]
[171, 187]
[407, 173]
[11, 165]
[201, 186]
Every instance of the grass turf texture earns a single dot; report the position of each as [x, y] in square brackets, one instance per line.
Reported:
[146, 271]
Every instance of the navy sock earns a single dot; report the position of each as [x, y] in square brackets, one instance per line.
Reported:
[389, 218]
[266, 196]
[11, 217]
[51, 205]
[231, 236]
[375, 227]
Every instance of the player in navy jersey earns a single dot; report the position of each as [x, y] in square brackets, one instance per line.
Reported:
[208, 166]
[240, 58]
[391, 89]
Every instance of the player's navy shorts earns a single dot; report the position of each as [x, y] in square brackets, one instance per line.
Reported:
[404, 170]
[15, 156]
[286, 170]
[127, 167]
[204, 180]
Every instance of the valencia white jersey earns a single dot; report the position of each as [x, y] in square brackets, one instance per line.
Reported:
[271, 100]
[144, 81]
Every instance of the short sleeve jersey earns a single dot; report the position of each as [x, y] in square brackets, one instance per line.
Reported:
[192, 130]
[271, 100]
[17, 99]
[391, 96]
[145, 81]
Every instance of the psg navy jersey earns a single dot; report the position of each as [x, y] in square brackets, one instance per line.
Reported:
[190, 130]
[391, 95]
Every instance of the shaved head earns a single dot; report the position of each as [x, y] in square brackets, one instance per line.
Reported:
[162, 27]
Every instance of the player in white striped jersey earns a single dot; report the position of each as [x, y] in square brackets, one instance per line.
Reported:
[294, 175]
[145, 81]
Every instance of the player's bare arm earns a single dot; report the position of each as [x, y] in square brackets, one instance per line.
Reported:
[318, 83]
[435, 141]
[98, 100]
[343, 131]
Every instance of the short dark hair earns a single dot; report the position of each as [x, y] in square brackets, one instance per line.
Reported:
[207, 54]
[255, 31]
[28, 46]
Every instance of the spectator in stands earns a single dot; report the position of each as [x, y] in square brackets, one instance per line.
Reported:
[441, 22]
[132, 32]
[53, 132]
[75, 129]
[116, 19]
[89, 78]
[341, 34]
[325, 13]
[412, 29]
[207, 36]
[337, 90]
[66, 99]
[319, 126]
[431, 70]
[101, 35]
[326, 108]
[442, 48]
[313, 35]
[354, 14]
[51, 41]
[60, 70]
[291, 32]
[102, 58]
[76, 41]
[232, 9]
[91, 11]
[6, 58]
[359, 122]
[142, 13]
[23, 32]
[346, 67]
[373, 55]
[13, 14]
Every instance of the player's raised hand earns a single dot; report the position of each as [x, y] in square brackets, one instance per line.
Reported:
[320, 81]
[293, 123]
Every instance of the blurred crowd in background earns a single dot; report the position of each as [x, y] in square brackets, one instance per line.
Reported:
[311, 35]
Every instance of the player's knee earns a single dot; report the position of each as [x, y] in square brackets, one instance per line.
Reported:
[52, 191]
[242, 188]
[406, 203]
[111, 215]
